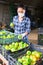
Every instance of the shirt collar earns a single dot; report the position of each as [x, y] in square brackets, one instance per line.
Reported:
[23, 17]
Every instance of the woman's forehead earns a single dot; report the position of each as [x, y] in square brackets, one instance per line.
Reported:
[20, 9]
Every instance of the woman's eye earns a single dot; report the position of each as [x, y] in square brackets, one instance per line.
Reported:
[20, 11]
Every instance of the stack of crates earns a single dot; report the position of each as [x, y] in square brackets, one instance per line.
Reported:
[12, 61]
[11, 56]
[40, 36]
[2, 51]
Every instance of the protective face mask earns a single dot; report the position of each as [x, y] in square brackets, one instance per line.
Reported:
[21, 14]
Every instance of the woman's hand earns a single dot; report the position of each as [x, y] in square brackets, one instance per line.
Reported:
[24, 34]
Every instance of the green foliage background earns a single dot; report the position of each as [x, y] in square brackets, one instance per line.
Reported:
[12, 11]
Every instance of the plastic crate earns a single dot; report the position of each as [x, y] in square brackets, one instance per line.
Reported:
[13, 60]
[8, 40]
[12, 56]
[36, 47]
[0, 49]
[40, 39]
[4, 34]
[1, 41]
[18, 52]
[3, 52]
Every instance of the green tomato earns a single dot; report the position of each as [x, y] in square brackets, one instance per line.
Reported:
[25, 63]
[24, 58]
[33, 63]
[10, 47]
[11, 25]
[8, 36]
[25, 45]
[36, 53]
[4, 37]
[19, 36]
[3, 32]
[21, 42]
[0, 33]
[21, 46]
[20, 60]
[29, 61]
[16, 45]
[28, 53]
[27, 56]
[7, 47]
[40, 54]
[13, 43]
[33, 58]
[12, 50]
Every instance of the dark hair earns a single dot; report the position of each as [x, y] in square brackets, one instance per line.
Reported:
[21, 6]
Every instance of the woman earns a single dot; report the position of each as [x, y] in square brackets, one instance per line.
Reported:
[21, 23]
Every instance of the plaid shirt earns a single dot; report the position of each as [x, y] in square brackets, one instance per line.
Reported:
[21, 27]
